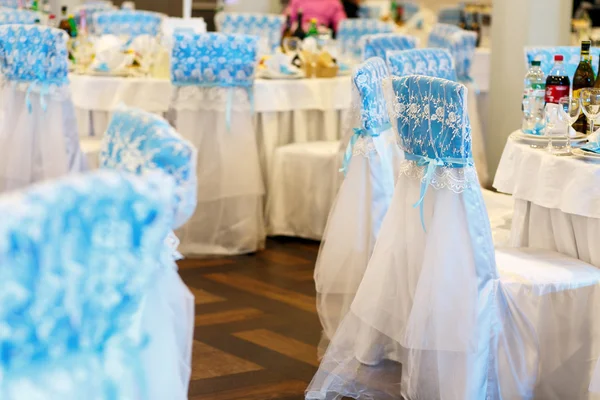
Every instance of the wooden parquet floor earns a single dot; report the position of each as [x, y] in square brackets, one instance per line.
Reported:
[257, 328]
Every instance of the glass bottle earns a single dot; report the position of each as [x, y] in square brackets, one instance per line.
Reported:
[583, 78]
[313, 31]
[299, 32]
[558, 83]
[64, 21]
[287, 32]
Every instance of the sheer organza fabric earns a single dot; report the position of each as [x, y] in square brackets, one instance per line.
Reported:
[372, 162]
[213, 101]
[140, 142]
[432, 298]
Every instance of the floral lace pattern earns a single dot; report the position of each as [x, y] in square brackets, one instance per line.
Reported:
[127, 23]
[378, 45]
[9, 3]
[351, 31]
[570, 53]
[455, 179]
[431, 117]
[214, 59]
[70, 253]
[140, 142]
[18, 17]
[461, 44]
[368, 79]
[437, 63]
[266, 26]
[33, 54]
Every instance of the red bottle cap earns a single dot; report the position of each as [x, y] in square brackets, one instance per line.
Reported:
[52, 16]
[559, 57]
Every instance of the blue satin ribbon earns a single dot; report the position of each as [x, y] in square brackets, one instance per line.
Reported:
[358, 132]
[44, 91]
[431, 164]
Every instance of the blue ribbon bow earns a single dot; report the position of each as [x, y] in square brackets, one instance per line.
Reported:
[44, 91]
[431, 164]
[358, 132]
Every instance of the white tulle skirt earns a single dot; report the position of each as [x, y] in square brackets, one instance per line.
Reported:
[168, 317]
[37, 145]
[365, 195]
[229, 216]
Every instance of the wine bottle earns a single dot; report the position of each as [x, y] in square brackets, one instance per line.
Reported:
[394, 11]
[299, 32]
[462, 23]
[583, 78]
[287, 32]
[313, 31]
[476, 27]
[64, 22]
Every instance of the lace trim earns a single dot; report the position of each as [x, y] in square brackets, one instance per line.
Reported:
[455, 179]
[194, 98]
[365, 146]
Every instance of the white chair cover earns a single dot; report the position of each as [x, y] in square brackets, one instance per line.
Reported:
[214, 76]
[371, 165]
[70, 256]
[432, 297]
[140, 142]
[38, 131]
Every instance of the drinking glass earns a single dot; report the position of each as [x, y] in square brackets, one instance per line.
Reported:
[550, 117]
[291, 45]
[569, 110]
[590, 105]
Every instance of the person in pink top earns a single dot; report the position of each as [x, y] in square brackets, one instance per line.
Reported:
[327, 12]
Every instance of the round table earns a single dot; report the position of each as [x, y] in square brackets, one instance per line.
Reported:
[557, 200]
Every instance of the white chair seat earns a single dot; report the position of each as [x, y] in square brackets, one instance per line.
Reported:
[553, 307]
[303, 185]
[91, 148]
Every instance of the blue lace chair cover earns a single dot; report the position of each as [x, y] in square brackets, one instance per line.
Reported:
[267, 26]
[461, 44]
[351, 31]
[139, 142]
[369, 11]
[570, 53]
[439, 33]
[70, 252]
[437, 63]
[378, 45]
[410, 10]
[9, 3]
[449, 15]
[91, 9]
[127, 23]
[18, 17]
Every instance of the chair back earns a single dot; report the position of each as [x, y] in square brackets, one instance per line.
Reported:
[449, 15]
[8, 16]
[269, 27]
[90, 10]
[34, 54]
[369, 11]
[439, 33]
[172, 25]
[461, 44]
[129, 23]
[140, 142]
[410, 10]
[368, 80]
[9, 4]
[379, 44]
[351, 32]
[571, 56]
[436, 63]
[214, 60]
[70, 257]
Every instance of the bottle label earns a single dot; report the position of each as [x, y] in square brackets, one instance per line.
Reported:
[555, 92]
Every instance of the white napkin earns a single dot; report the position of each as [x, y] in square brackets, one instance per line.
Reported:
[109, 55]
[281, 64]
[145, 46]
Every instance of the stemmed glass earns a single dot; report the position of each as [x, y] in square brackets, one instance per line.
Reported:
[590, 105]
[569, 111]
[550, 117]
[291, 45]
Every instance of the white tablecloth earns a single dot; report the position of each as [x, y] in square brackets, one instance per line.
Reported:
[288, 111]
[557, 201]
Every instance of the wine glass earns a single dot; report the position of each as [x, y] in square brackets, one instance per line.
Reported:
[291, 45]
[550, 117]
[590, 105]
[569, 111]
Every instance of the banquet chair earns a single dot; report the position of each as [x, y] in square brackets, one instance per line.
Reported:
[461, 44]
[129, 23]
[9, 4]
[140, 142]
[379, 44]
[438, 63]
[465, 321]
[410, 10]
[371, 167]
[213, 75]
[369, 11]
[269, 27]
[9, 16]
[70, 256]
[172, 24]
[449, 15]
[351, 32]
[570, 53]
[38, 131]
[90, 10]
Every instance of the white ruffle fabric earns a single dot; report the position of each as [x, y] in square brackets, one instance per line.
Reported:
[229, 216]
[348, 243]
[434, 301]
[39, 144]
